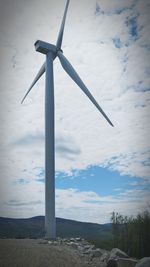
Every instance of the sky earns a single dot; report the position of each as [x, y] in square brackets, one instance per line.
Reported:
[99, 168]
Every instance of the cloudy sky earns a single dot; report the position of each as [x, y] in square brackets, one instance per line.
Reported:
[99, 169]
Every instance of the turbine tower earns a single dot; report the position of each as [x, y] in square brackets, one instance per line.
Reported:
[52, 51]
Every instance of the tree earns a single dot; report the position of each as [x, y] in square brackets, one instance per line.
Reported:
[132, 234]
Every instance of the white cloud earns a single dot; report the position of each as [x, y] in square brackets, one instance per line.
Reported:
[92, 207]
[20, 201]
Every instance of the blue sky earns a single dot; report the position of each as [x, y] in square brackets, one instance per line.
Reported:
[102, 181]
[98, 168]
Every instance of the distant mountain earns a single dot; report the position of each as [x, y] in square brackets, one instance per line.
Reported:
[100, 234]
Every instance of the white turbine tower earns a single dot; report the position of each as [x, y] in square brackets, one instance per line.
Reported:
[52, 51]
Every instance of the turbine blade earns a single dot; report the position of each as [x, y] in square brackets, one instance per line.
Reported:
[73, 74]
[61, 31]
[40, 73]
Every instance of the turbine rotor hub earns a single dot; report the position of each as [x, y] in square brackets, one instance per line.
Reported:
[59, 50]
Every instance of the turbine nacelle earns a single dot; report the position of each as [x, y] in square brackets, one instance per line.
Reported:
[44, 48]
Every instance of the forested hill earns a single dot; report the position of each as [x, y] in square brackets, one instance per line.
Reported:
[34, 228]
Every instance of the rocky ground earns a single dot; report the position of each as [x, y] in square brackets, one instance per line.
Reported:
[73, 252]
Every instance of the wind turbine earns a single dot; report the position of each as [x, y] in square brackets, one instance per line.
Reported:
[52, 51]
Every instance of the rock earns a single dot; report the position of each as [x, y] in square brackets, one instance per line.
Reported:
[112, 263]
[84, 242]
[144, 262]
[105, 256]
[126, 262]
[78, 239]
[73, 239]
[50, 242]
[117, 253]
[87, 249]
[74, 245]
[64, 240]
[122, 262]
[92, 247]
[96, 253]
[81, 249]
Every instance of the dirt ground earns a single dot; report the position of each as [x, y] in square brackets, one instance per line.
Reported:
[36, 253]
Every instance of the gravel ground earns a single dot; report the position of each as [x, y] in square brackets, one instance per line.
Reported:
[37, 253]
